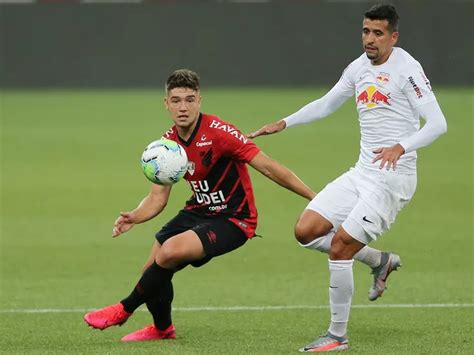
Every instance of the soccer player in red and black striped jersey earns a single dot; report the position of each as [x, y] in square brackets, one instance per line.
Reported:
[217, 173]
[219, 217]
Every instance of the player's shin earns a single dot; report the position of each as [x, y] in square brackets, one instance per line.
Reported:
[147, 287]
[341, 288]
[160, 306]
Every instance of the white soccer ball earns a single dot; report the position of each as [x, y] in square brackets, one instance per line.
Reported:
[164, 162]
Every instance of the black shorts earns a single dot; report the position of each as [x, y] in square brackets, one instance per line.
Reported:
[218, 235]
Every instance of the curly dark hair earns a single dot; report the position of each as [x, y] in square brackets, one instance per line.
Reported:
[183, 78]
[384, 12]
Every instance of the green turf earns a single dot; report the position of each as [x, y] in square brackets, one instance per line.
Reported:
[69, 164]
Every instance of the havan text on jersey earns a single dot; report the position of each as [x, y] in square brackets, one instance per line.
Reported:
[229, 129]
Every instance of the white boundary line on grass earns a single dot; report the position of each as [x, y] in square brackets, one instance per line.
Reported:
[255, 308]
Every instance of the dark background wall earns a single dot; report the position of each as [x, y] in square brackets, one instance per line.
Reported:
[268, 43]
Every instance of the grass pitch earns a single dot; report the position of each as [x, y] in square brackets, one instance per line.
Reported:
[69, 164]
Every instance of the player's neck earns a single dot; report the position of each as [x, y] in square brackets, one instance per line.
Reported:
[186, 132]
[382, 60]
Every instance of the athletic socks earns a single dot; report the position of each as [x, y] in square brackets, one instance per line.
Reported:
[134, 300]
[341, 288]
[160, 307]
[322, 244]
[148, 287]
[369, 256]
[366, 255]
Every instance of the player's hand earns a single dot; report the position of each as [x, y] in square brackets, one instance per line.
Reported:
[388, 156]
[271, 128]
[123, 224]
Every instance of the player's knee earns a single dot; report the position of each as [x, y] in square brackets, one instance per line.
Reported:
[305, 233]
[168, 257]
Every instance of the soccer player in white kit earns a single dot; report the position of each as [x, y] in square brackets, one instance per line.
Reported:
[391, 93]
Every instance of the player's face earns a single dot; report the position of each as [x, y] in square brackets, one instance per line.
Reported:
[183, 105]
[378, 40]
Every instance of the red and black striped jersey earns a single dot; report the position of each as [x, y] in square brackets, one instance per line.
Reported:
[217, 173]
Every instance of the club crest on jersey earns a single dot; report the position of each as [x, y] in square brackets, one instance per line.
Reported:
[226, 128]
[383, 78]
[191, 167]
[372, 97]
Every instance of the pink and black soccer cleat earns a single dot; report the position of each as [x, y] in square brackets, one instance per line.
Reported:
[151, 333]
[107, 316]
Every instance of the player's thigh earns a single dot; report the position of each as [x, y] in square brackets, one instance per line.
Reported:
[382, 196]
[217, 236]
[182, 222]
[336, 200]
[311, 225]
[179, 249]
[220, 236]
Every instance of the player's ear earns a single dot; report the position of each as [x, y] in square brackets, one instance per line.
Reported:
[395, 36]
[165, 101]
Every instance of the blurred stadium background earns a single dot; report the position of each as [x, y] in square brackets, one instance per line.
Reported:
[81, 95]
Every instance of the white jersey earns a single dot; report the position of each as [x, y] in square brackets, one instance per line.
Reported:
[387, 97]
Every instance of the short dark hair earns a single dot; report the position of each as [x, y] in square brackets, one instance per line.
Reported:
[182, 78]
[384, 12]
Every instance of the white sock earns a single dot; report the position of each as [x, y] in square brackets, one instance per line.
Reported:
[366, 255]
[322, 244]
[369, 256]
[341, 288]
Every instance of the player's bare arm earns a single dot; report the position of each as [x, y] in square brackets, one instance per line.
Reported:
[388, 156]
[281, 175]
[148, 208]
[271, 128]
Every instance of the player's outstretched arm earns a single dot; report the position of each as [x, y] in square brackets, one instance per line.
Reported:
[148, 208]
[271, 128]
[281, 175]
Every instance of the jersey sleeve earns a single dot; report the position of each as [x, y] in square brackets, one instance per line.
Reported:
[236, 145]
[435, 126]
[416, 86]
[346, 81]
[327, 104]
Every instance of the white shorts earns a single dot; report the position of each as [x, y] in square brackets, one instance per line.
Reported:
[364, 202]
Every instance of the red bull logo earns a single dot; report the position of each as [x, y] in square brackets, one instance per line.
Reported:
[372, 96]
[383, 78]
